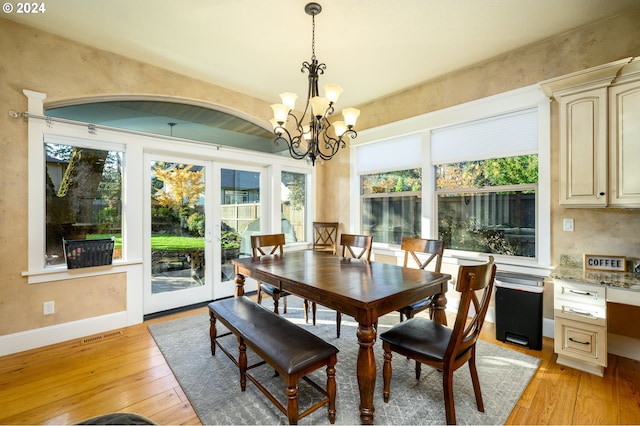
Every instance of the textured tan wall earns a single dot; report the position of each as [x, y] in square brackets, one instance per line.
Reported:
[64, 70]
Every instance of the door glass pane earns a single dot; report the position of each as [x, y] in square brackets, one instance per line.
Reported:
[293, 205]
[177, 226]
[240, 214]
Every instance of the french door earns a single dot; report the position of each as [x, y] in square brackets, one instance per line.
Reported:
[178, 244]
[200, 216]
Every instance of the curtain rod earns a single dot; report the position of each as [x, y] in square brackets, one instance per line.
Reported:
[92, 128]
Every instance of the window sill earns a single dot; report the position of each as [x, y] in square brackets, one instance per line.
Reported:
[59, 273]
[451, 257]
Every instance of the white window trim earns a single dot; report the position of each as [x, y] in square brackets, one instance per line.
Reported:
[515, 100]
[134, 175]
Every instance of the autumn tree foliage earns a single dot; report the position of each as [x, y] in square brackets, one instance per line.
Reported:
[181, 189]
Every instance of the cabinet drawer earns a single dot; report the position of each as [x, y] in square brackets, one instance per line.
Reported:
[593, 314]
[581, 341]
[580, 293]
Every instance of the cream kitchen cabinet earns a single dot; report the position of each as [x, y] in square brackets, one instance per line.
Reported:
[580, 313]
[599, 137]
[583, 148]
[582, 338]
[624, 139]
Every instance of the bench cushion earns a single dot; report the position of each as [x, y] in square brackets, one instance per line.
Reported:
[286, 346]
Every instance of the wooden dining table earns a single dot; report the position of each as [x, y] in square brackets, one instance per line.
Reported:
[361, 289]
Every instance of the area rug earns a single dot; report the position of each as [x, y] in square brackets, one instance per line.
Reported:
[211, 382]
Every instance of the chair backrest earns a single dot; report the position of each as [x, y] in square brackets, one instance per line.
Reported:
[467, 330]
[349, 242]
[413, 246]
[261, 242]
[325, 236]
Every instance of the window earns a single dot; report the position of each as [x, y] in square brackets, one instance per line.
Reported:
[83, 197]
[489, 206]
[486, 184]
[392, 205]
[512, 124]
[294, 202]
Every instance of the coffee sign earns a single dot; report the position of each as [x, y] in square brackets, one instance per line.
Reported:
[599, 262]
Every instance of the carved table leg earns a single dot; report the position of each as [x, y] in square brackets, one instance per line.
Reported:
[439, 305]
[366, 371]
[213, 332]
[239, 285]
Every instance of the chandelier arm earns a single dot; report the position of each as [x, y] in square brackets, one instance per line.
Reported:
[331, 144]
[352, 134]
[298, 122]
[292, 145]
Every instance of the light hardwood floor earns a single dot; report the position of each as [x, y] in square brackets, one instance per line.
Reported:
[68, 382]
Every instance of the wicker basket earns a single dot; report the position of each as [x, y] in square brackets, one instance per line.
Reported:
[86, 253]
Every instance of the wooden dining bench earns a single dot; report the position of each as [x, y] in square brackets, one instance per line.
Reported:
[291, 350]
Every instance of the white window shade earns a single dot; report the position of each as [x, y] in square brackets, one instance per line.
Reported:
[500, 136]
[400, 153]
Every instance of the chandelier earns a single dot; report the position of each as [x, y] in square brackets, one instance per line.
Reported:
[312, 136]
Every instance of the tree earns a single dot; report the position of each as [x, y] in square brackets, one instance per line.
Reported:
[296, 184]
[181, 189]
[494, 172]
[395, 181]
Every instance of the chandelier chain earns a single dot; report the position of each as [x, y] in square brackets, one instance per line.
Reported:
[313, 37]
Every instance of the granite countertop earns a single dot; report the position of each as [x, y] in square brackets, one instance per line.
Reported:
[622, 280]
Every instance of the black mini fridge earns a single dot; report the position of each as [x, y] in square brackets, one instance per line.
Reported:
[518, 304]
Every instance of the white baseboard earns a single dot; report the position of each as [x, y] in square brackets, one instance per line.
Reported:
[31, 339]
[623, 346]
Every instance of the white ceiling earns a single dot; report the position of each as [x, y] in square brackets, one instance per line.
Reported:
[372, 48]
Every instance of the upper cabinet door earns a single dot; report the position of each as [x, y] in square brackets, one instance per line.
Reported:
[624, 141]
[583, 148]
[599, 135]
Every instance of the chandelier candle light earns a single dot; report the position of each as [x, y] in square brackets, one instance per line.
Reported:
[319, 138]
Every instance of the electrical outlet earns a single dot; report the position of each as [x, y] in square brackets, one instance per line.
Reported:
[567, 225]
[48, 308]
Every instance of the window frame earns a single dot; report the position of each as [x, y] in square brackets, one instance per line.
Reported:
[527, 97]
[43, 129]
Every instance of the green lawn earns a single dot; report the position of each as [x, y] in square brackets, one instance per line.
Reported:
[166, 242]
[162, 242]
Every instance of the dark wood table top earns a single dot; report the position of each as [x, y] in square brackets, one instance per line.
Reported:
[351, 286]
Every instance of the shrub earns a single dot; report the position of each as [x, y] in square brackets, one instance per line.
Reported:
[195, 224]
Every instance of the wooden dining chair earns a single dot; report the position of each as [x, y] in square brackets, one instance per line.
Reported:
[325, 236]
[434, 250]
[445, 349]
[325, 239]
[357, 247]
[262, 245]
